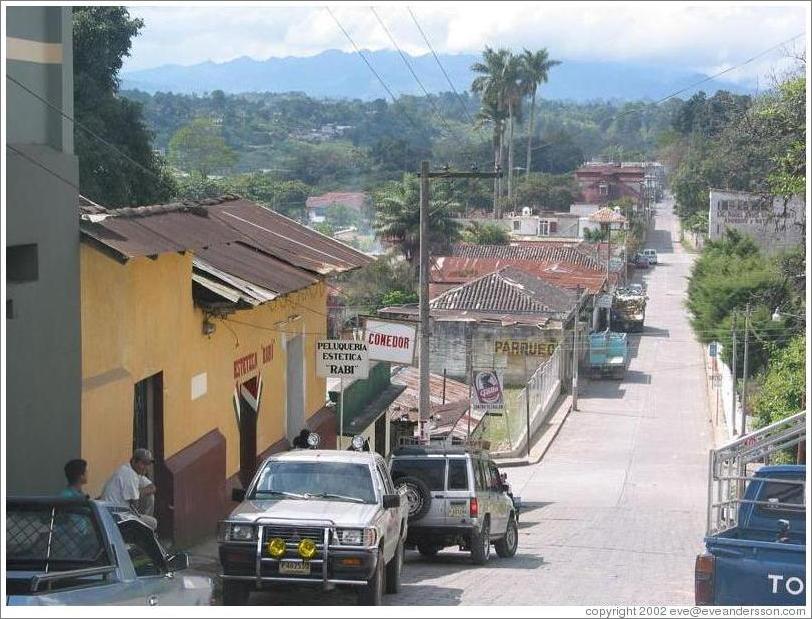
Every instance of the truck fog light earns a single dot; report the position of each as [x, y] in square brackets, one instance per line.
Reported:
[276, 548]
[307, 549]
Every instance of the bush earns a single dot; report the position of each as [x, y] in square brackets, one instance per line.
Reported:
[783, 385]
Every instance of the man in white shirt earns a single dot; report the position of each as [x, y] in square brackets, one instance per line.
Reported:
[130, 487]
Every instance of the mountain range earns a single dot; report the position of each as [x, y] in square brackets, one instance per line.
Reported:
[341, 75]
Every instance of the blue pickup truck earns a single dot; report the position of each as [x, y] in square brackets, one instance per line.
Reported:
[755, 549]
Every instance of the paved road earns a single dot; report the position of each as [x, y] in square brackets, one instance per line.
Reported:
[616, 508]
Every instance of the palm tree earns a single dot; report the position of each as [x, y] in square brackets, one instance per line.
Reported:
[514, 93]
[397, 217]
[536, 66]
[490, 84]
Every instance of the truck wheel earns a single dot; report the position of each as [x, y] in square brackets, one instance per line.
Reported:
[506, 547]
[428, 550]
[235, 593]
[393, 569]
[481, 544]
[371, 594]
[418, 495]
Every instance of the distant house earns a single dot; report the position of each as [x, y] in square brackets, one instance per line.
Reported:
[775, 224]
[317, 206]
[606, 182]
[560, 225]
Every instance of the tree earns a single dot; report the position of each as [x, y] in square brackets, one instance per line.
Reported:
[782, 389]
[128, 173]
[397, 220]
[488, 233]
[199, 147]
[536, 67]
[548, 191]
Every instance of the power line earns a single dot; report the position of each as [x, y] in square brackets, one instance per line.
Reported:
[411, 70]
[702, 81]
[81, 126]
[442, 68]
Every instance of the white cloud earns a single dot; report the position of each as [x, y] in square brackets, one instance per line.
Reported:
[697, 36]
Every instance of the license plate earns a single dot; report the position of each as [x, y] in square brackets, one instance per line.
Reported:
[296, 568]
[457, 510]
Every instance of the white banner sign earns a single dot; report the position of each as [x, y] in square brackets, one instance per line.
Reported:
[487, 391]
[391, 341]
[342, 359]
[604, 301]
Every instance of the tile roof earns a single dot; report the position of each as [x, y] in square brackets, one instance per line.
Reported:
[607, 215]
[508, 290]
[547, 252]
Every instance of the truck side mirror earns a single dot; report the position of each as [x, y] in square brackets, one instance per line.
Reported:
[178, 562]
[238, 495]
[391, 500]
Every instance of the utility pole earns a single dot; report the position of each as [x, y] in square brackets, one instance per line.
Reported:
[575, 350]
[735, 377]
[425, 329]
[744, 378]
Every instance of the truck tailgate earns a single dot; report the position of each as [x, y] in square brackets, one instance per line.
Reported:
[751, 572]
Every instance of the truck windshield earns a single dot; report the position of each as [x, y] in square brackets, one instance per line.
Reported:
[334, 481]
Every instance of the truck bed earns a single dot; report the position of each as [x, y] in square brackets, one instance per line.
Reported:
[753, 571]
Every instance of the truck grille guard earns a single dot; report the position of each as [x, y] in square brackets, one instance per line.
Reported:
[323, 545]
[731, 467]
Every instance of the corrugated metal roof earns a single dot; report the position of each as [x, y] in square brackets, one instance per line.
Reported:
[407, 402]
[288, 240]
[442, 315]
[257, 267]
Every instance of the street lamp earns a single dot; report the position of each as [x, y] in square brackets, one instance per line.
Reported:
[778, 316]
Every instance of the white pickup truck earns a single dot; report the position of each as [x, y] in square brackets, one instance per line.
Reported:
[316, 517]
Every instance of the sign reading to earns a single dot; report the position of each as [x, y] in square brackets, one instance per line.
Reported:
[342, 359]
[391, 341]
[487, 390]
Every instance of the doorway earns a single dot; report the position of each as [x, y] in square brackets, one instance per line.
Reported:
[380, 434]
[295, 387]
[249, 396]
[148, 433]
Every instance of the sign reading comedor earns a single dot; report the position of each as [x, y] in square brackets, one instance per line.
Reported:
[342, 359]
[390, 341]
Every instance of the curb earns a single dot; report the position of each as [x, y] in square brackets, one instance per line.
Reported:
[514, 462]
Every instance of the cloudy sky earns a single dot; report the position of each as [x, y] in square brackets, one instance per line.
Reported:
[705, 37]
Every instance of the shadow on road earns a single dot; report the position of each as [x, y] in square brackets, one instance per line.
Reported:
[431, 567]
[656, 332]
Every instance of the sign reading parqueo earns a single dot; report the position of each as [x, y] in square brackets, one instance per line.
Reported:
[342, 359]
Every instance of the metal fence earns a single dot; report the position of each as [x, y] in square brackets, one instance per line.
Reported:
[542, 390]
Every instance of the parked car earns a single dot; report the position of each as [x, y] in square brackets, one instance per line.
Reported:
[456, 498]
[81, 552]
[651, 254]
[755, 546]
[315, 517]
[641, 262]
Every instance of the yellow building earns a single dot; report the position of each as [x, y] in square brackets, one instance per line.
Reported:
[199, 325]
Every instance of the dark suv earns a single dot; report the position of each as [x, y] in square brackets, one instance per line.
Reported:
[456, 498]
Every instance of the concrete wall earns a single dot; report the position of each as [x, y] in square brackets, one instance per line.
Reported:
[774, 227]
[450, 342]
[42, 307]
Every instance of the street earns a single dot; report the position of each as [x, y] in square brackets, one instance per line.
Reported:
[614, 513]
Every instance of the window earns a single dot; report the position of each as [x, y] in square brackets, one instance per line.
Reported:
[458, 474]
[516, 225]
[603, 189]
[544, 228]
[431, 471]
[495, 478]
[145, 554]
[315, 478]
[787, 494]
[22, 263]
[387, 486]
[480, 474]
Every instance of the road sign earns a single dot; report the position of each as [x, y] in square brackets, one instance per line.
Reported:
[712, 349]
[487, 391]
[342, 359]
[391, 341]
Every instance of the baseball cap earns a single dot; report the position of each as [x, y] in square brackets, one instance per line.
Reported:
[144, 455]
